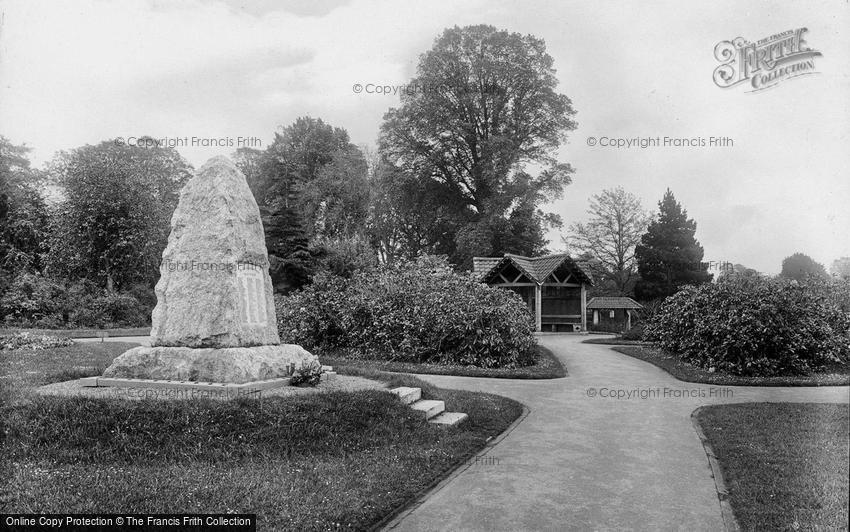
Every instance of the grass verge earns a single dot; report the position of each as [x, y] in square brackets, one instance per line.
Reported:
[785, 464]
[613, 341]
[339, 460]
[83, 333]
[547, 367]
[838, 375]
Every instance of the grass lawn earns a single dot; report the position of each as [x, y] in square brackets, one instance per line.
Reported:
[838, 375]
[547, 367]
[35, 367]
[339, 460]
[785, 464]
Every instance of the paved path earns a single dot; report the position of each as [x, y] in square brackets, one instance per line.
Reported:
[142, 340]
[594, 463]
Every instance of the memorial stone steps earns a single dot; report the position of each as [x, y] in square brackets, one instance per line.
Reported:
[432, 410]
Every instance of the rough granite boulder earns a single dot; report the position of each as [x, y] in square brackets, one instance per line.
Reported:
[214, 288]
[214, 319]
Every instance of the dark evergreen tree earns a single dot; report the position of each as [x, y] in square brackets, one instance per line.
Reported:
[288, 247]
[669, 255]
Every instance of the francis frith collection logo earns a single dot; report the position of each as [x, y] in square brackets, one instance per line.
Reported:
[765, 63]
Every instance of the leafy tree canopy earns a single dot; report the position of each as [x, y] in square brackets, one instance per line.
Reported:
[841, 268]
[483, 108]
[23, 213]
[800, 266]
[113, 221]
[608, 238]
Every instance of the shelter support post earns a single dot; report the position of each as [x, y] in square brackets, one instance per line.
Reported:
[583, 308]
[538, 307]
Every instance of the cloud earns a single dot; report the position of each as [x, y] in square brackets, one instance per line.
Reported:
[227, 85]
[76, 73]
[302, 8]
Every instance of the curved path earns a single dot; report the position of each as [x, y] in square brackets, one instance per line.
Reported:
[584, 460]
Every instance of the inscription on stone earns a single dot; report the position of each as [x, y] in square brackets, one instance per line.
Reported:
[252, 297]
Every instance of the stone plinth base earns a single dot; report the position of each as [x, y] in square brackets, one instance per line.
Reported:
[198, 388]
[235, 365]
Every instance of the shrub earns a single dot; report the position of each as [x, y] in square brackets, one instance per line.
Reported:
[80, 310]
[413, 312]
[25, 340]
[635, 333]
[342, 256]
[753, 326]
[33, 300]
[146, 296]
[121, 309]
[307, 375]
[91, 306]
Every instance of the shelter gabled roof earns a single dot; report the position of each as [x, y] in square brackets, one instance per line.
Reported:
[535, 268]
[608, 302]
[482, 265]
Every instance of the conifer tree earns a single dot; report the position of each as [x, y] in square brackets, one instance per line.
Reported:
[669, 255]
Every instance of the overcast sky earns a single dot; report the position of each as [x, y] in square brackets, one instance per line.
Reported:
[81, 72]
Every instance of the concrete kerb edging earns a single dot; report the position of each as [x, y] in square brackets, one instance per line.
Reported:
[729, 520]
[396, 517]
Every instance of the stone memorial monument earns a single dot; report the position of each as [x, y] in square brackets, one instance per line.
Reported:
[214, 319]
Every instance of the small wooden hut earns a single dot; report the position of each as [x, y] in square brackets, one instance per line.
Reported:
[612, 314]
[554, 287]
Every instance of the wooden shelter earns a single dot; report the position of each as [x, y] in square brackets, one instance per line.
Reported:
[612, 314]
[554, 287]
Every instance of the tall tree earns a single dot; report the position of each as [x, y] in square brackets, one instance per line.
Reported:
[314, 167]
[336, 201]
[23, 213]
[800, 266]
[290, 262]
[113, 221]
[669, 256]
[250, 162]
[310, 182]
[485, 109]
[614, 228]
